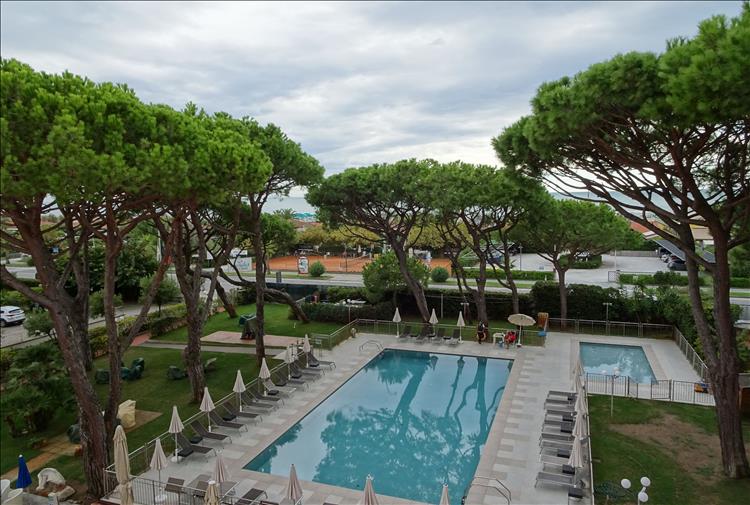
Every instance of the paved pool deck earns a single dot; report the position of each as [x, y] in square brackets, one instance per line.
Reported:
[511, 453]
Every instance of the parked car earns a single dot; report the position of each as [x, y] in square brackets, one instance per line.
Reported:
[677, 264]
[10, 314]
[665, 257]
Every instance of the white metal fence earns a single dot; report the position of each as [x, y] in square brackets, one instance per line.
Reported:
[696, 393]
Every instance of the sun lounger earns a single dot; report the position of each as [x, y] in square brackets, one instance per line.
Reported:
[565, 395]
[307, 373]
[557, 452]
[558, 420]
[440, 336]
[554, 479]
[560, 410]
[250, 399]
[556, 444]
[274, 390]
[553, 459]
[174, 485]
[406, 333]
[209, 365]
[456, 337]
[187, 447]
[219, 421]
[239, 414]
[202, 431]
[202, 485]
[423, 333]
[280, 379]
[252, 497]
[314, 362]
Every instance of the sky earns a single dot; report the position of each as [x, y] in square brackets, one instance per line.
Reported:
[354, 83]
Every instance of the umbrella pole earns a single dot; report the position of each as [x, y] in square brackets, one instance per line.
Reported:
[208, 418]
[175, 458]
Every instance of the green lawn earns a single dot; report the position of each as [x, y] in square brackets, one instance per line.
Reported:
[675, 445]
[277, 323]
[153, 392]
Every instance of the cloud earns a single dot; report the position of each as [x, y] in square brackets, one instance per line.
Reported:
[354, 83]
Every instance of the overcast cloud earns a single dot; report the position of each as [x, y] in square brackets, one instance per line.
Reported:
[354, 83]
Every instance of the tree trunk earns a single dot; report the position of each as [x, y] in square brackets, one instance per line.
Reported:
[285, 297]
[479, 298]
[414, 286]
[228, 305]
[260, 288]
[563, 292]
[724, 365]
[192, 355]
[113, 339]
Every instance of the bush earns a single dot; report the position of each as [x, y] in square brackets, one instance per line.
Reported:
[662, 278]
[499, 305]
[317, 269]
[591, 263]
[338, 293]
[439, 274]
[740, 282]
[9, 297]
[338, 313]
[518, 275]
[38, 320]
[584, 301]
[96, 303]
[167, 292]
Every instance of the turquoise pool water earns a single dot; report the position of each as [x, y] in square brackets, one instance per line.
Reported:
[413, 420]
[627, 360]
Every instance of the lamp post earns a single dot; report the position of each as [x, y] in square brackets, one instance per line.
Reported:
[642, 495]
[606, 311]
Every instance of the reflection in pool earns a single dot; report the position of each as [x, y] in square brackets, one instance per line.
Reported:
[413, 420]
[612, 359]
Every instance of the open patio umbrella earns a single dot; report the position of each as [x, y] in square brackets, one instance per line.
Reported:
[460, 323]
[207, 405]
[521, 320]
[175, 428]
[397, 319]
[444, 497]
[294, 488]
[158, 460]
[239, 388]
[306, 344]
[433, 318]
[122, 467]
[212, 494]
[576, 454]
[24, 477]
[220, 471]
[369, 497]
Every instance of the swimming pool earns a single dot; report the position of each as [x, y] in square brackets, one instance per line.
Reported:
[612, 359]
[413, 420]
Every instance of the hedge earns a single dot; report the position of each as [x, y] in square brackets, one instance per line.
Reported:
[520, 275]
[337, 293]
[592, 263]
[337, 313]
[740, 282]
[499, 305]
[666, 278]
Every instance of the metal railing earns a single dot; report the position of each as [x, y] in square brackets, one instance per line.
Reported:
[690, 353]
[491, 483]
[611, 328]
[695, 393]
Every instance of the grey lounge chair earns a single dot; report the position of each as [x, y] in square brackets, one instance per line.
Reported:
[554, 479]
[561, 410]
[456, 337]
[250, 399]
[274, 390]
[406, 333]
[564, 395]
[423, 334]
[553, 419]
[203, 432]
[281, 380]
[307, 373]
[556, 444]
[174, 485]
[219, 421]
[187, 448]
[314, 362]
[440, 336]
[240, 414]
[252, 497]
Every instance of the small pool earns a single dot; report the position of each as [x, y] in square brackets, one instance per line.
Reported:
[413, 420]
[613, 359]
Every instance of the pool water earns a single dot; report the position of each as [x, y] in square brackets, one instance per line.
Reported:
[413, 420]
[611, 359]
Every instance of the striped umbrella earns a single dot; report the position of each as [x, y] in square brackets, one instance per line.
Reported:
[158, 460]
[294, 488]
[207, 405]
[122, 467]
[212, 494]
[220, 471]
[369, 497]
[175, 428]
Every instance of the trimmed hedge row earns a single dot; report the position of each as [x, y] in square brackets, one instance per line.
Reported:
[592, 263]
[335, 313]
[665, 278]
[739, 282]
[519, 275]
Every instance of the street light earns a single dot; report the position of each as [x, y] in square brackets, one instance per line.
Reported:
[607, 305]
[642, 495]
[520, 257]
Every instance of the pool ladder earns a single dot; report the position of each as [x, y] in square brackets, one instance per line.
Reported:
[491, 483]
[371, 342]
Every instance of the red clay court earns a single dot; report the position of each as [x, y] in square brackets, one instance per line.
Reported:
[338, 264]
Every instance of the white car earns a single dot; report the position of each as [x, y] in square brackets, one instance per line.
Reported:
[10, 314]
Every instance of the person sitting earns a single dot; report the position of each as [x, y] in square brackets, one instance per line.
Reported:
[482, 332]
[510, 338]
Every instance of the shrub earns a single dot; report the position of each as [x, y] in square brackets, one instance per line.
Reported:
[499, 305]
[317, 269]
[8, 297]
[591, 263]
[439, 274]
[740, 282]
[167, 292]
[38, 320]
[339, 313]
[96, 303]
[661, 278]
[338, 293]
[518, 275]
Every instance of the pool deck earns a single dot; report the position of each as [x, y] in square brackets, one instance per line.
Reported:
[511, 453]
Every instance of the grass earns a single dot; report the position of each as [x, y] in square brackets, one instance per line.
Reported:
[674, 444]
[276, 323]
[153, 392]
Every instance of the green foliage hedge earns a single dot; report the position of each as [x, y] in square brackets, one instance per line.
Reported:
[665, 278]
[592, 263]
[499, 305]
[740, 282]
[337, 293]
[519, 275]
[335, 313]
[439, 274]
